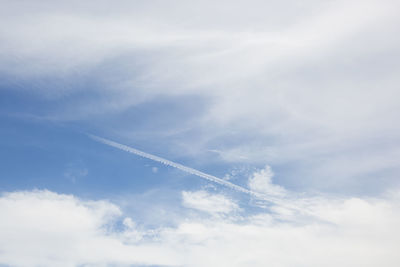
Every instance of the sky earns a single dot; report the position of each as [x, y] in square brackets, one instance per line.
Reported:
[199, 133]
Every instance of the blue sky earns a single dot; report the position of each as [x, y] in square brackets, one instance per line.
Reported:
[296, 103]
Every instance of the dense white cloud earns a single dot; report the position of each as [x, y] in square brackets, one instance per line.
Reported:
[261, 181]
[42, 228]
[211, 203]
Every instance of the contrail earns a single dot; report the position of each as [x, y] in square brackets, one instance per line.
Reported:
[181, 167]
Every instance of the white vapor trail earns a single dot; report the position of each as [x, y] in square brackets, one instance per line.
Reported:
[181, 167]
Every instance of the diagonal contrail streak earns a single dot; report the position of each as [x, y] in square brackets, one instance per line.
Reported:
[181, 167]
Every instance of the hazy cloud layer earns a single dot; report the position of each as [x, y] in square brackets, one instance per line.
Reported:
[311, 85]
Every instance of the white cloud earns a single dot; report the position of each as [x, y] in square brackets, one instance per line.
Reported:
[211, 203]
[42, 228]
[261, 182]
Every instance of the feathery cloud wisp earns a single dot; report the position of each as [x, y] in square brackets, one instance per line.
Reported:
[181, 167]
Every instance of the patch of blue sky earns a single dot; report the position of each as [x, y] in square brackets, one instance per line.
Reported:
[38, 155]
[49, 148]
[43, 154]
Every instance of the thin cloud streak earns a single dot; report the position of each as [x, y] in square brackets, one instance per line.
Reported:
[198, 173]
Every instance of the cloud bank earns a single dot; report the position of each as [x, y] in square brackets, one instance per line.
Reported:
[51, 229]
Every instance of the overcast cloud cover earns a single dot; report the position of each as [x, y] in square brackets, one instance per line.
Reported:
[295, 100]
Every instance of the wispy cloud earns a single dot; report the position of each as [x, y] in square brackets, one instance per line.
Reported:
[311, 85]
[261, 194]
[181, 167]
[307, 87]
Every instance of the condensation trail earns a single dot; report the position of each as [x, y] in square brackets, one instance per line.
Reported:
[181, 167]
